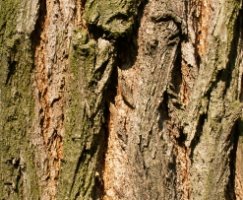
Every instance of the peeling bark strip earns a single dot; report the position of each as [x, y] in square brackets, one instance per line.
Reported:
[52, 38]
[120, 99]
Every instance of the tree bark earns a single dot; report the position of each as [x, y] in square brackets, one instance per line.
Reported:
[121, 99]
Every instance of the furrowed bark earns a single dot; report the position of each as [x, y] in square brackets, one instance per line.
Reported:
[215, 103]
[139, 115]
[193, 65]
[92, 65]
[121, 99]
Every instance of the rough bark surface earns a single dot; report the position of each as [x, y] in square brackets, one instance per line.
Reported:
[121, 99]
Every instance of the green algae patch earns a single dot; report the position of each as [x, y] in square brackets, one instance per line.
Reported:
[116, 16]
[18, 176]
[91, 64]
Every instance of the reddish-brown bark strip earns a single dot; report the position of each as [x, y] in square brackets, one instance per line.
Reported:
[51, 54]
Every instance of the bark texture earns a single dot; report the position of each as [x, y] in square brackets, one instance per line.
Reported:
[121, 99]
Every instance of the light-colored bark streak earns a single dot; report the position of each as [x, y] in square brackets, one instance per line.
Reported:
[238, 173]
[214, 100]
[141, 153]
[116, 183]
[239, 155]
[51, 63]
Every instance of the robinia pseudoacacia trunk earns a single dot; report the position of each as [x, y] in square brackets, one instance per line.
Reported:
[121, 99]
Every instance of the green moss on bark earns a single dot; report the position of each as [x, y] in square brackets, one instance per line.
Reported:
[84, 141]
[115, 17]
[18, 177]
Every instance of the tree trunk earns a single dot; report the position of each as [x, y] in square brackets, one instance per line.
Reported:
[121, 99]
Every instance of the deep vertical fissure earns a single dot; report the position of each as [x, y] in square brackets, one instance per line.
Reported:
[235, 134]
